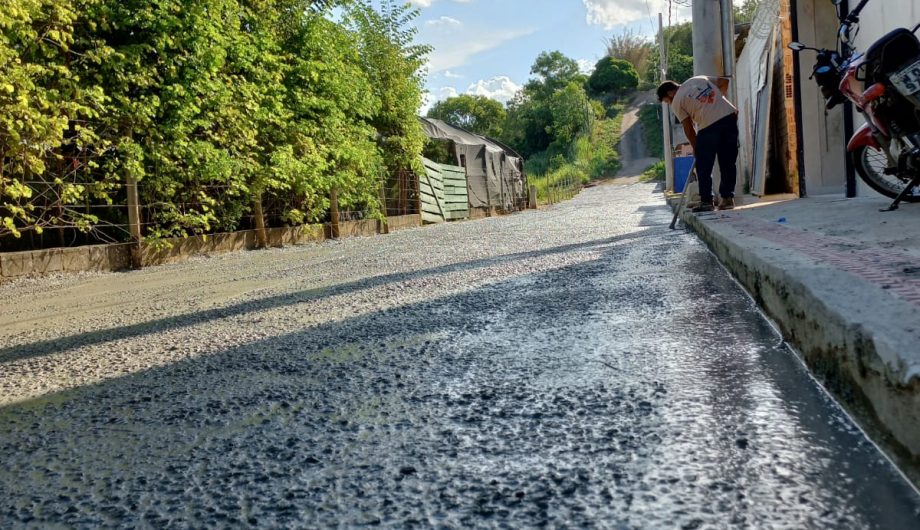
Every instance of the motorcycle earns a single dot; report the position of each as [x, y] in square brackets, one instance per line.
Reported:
[884, 86]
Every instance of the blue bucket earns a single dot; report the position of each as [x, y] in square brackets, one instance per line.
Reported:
[682, 166]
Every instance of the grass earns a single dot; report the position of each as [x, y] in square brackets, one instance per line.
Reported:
[650, 118]
[654, 173]
[592, 156]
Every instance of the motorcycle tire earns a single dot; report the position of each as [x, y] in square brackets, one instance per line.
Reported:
[869, 164]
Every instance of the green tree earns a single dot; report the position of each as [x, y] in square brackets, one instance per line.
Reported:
[679, 39]
[214, 106]
[571, 114]
[527, 123]
[745, 10]
[552, 72]
[314, 136]
[394, 65]
[477, 114]
[613, 76]
[43, 100]
[530, 122]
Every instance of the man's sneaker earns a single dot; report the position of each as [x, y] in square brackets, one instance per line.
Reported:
[727, 203]
[703, 207]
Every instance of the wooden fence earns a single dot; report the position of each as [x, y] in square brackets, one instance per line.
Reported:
[443, 192]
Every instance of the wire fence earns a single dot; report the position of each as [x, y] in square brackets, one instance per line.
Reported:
[63, 205]
[68, 205]
[551, 190]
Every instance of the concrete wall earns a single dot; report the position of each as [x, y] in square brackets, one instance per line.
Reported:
[881, 16]
[55, 260]
[106, 258]
[878, 18]
[822, 133]
[824, 139]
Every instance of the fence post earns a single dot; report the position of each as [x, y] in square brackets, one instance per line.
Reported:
[261, 233]
[532, 198]
[60, 210]
[485, 169]
[334, 213]
[383, 226]
[403, 206]
[417, 189]
[134, 221]
[501, 187]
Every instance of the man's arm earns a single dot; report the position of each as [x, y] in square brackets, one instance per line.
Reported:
[690, 132]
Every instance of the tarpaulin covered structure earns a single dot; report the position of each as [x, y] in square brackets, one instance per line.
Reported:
[494, 172]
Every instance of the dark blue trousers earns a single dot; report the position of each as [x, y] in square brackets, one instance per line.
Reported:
[719, 140]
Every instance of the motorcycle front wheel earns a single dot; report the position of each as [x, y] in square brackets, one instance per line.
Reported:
[871, 164]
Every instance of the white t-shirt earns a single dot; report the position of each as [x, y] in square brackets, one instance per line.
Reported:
[701, 100]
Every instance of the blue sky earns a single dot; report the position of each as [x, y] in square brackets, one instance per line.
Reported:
[488, 46]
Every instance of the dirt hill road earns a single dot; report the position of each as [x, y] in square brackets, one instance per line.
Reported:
[633, 152]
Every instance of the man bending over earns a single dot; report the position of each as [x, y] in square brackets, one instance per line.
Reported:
[701, 101]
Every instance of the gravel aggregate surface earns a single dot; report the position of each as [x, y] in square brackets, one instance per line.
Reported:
[576, 366]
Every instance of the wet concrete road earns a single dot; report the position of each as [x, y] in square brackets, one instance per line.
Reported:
[577, 366]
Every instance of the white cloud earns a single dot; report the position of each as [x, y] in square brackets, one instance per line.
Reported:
[586, 66]
[427, 3]
[444, 21]
[447, 92]
[500, 88]
[455, 52]
[450, 75]
[612, 13]
[430, 99]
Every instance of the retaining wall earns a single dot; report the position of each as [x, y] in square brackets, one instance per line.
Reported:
[105, 258]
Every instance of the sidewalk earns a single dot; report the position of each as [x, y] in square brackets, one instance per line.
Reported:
[842, 280]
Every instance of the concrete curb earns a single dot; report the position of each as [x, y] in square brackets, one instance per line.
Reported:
[851, 334]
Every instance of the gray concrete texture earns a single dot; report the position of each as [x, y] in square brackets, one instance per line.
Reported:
[577, 366]
[842, 280]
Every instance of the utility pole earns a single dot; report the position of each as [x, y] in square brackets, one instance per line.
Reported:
[728, 47]
[708, 53]
[728, 63]
[665, 110]
[707, 37]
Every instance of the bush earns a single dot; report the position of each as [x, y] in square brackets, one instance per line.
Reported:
[655, 173]
[613, 76]
[211, 109]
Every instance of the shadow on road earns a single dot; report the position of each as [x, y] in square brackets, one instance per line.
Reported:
[48, 347]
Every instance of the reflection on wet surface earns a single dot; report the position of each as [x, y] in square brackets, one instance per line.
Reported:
[620, 384]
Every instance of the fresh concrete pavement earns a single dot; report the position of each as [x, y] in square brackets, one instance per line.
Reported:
[842, 281]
